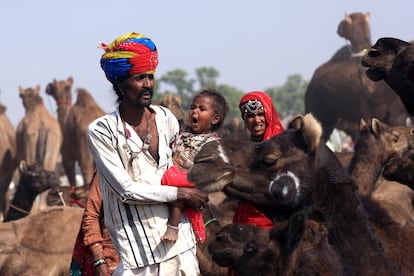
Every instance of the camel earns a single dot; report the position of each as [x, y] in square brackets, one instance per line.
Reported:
[291, 172]
[41, 243]
[340, 91]
[375, 146]
[299, 246]
[8, 155]
[174, 103]
[74, 120]
[38, 135]
[33, 181]
[391, 60]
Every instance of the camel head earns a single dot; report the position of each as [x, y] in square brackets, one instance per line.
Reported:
[61, 91]
[392, 60]
[355, 28]
[386, 140]
[380, 57]
[36, 179]
[279, 176]
[298, 244]
[245, 248]
[30, 96]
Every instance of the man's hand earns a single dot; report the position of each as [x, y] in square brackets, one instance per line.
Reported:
[192, 197]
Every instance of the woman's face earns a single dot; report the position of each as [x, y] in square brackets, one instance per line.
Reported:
[256, 123]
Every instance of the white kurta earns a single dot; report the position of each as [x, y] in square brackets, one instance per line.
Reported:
[133, 197]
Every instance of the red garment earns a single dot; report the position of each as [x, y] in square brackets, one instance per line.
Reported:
[92, 231]
[178, 178]
[246, 212]
[272, 118]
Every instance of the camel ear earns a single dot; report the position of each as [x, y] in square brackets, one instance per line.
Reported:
[70, 80]
[37, 89]
[22, 166]
[377, 127]
[21, 90]
[367, 16]
[311, 130]
[296, 122]
[362, 124]
[348, 18]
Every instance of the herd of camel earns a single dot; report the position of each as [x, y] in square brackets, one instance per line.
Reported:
[335, 214]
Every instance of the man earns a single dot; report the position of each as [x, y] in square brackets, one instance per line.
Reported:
[131, 149]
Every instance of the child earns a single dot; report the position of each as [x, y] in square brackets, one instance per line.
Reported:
[207, 113]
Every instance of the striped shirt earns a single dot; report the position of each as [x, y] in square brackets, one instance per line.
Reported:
[133, 198]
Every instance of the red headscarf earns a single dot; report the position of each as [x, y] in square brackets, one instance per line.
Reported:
[247, 212]
[272, 118]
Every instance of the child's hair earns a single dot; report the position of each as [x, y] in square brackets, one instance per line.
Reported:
[220, 105]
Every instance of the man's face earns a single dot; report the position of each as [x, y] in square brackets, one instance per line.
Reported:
[139, 89]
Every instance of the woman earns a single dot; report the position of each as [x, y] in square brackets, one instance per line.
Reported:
[262, 121]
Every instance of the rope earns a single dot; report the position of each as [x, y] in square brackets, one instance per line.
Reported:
[209, 221]
[19, 209]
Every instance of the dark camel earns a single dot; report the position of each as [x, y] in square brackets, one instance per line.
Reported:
[340, 91]
[291, 172]
[33, 181]
[391, 60]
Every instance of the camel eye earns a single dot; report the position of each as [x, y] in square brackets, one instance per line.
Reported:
[270, 160]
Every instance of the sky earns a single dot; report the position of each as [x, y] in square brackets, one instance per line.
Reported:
[253, 44]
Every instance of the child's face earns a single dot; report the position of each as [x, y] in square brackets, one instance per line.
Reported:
[202, 115]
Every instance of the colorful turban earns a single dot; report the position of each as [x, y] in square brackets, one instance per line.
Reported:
[128, 55]
[259, 99]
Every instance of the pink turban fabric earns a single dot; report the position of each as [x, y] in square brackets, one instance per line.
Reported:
[129, 54]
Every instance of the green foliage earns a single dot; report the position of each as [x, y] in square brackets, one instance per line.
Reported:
[289, 98]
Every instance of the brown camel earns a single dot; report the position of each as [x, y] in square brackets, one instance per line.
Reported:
[38, 134]
[291, 172]
[299, 246]
[391, 60]
[340, 90]
[8, 154]
[33, 181]
[74, 120]
[174, 103]
[41, 243]
[375, 146]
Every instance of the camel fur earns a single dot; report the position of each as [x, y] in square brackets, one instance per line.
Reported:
[8, 157]
[74, 120]
[340, 91]
[41, 243]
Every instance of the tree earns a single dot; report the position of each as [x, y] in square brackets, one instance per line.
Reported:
[207, 77]
[184, 87]
[289, 98]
